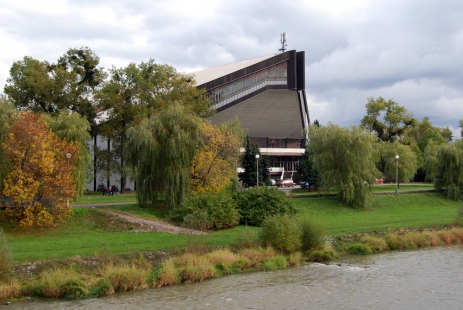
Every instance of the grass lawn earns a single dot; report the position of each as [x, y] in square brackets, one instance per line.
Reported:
[377, 188]
[90, 232]
[387, 212]
[97, 197]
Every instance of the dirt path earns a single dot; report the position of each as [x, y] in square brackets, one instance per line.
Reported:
[150, 225]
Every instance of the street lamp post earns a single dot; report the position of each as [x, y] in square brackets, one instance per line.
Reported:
[257, 160]
[397, 175]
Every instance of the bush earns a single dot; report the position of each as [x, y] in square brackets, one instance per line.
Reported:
[282, 233]
[5, 257]
[198, 219]
[376, 244]
[274, 263]
[256, 203]
[10, 289]
[220, 209]
[167, 274]
[312, 234]
[125, 277]
[60, 283]
[323, 254]
[194, 268]
[360, 248]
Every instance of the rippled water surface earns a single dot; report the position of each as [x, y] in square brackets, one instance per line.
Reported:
[425, 279]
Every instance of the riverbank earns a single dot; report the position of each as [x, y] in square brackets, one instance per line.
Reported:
[104, 275]
[94, 249]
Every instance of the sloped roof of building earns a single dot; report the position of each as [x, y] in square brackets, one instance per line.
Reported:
[207, 75]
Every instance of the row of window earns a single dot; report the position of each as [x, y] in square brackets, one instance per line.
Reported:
[276, 72]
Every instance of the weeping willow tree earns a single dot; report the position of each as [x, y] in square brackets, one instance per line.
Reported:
[445, 163]
[345, 159]
[406, 166]
[74, 128]
[160, 151]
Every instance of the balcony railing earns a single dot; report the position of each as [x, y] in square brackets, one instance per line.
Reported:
[247, 90]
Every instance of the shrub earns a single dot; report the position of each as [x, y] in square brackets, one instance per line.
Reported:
[446, 237]
[10, 289]
[198, 219]
[5, 257]
[417, 239]
[312, 234]
[58, 283]
[396, 242]
[224, 261]
[458, 234]
[257, 203]
[282, 233]
[376, 244]
[323, 254]
[194, 268]
[220, 209]
[257, 256]
[360, 248]
[125, 277]
[274, 263]
[295, 259]
[168, 274]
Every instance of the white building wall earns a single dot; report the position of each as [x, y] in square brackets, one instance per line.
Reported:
[98, 179]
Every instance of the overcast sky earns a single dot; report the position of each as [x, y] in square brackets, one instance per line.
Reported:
[407, 50]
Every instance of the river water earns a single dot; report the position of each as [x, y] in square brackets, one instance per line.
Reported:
[423, 279]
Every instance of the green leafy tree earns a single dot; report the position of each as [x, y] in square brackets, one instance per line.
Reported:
[257, 203]
[387, 119]
[7, 112]
[419, 137]
[407, 163]
[345, 159]
[431, 160]
[68, 85]
[73, 128]
[445, 162]
[447, 133]
[160, 150]
[136, 92]
[461, 126]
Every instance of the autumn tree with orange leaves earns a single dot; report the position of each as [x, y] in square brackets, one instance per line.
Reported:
[215, 163]
[40, 180]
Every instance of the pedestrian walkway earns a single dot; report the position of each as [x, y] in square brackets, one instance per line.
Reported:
[102, 204]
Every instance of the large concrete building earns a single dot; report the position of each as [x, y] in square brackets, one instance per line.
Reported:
[267, 95]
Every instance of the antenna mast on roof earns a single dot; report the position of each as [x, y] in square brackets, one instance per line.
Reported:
[283, 42]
